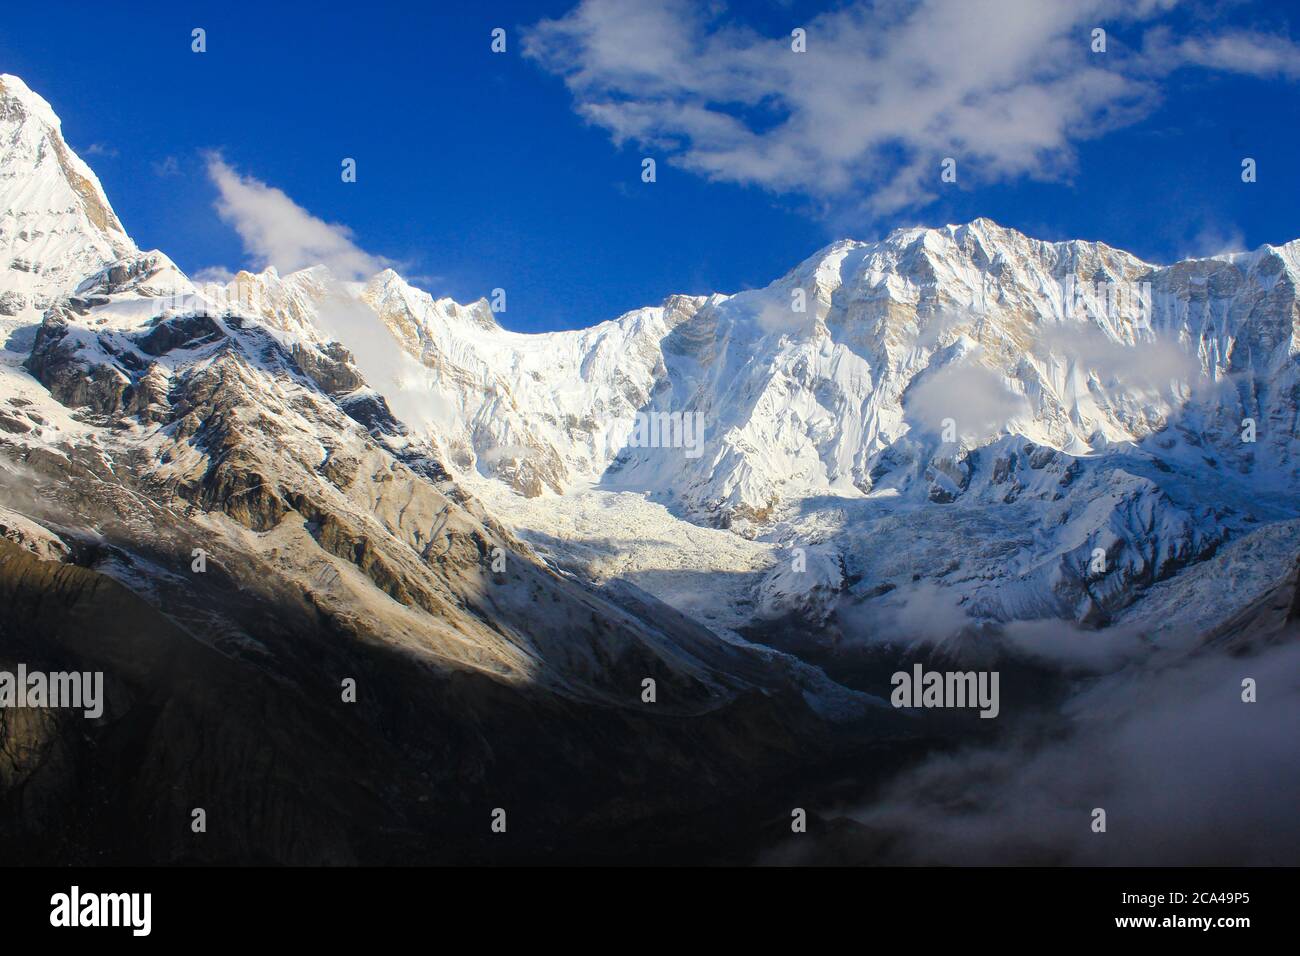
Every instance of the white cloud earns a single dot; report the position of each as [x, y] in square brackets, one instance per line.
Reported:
[1067, 646]
[1213, 240]
[774, 312]
[1236, 51]
[217, 274]
[976, 398]
[1194, 776]
[1146, 363]
[920, 615]
[409, 387]
[278, 232]
[883, 93]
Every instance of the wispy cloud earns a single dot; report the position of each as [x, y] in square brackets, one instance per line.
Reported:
[277, 232]
[217, 274]
[1150, 363]
[1236, 51]
[884, 92]
[1211, 239]
[974, 396]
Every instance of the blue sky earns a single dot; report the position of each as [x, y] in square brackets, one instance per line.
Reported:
[522, 170]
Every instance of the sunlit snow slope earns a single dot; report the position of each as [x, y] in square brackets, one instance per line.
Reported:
[963, 417]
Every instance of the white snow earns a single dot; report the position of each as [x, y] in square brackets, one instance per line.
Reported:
[1075, 425]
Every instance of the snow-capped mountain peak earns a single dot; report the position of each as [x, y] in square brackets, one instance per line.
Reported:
[56, 223]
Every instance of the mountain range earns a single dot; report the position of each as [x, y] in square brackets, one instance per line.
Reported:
[234, 498]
